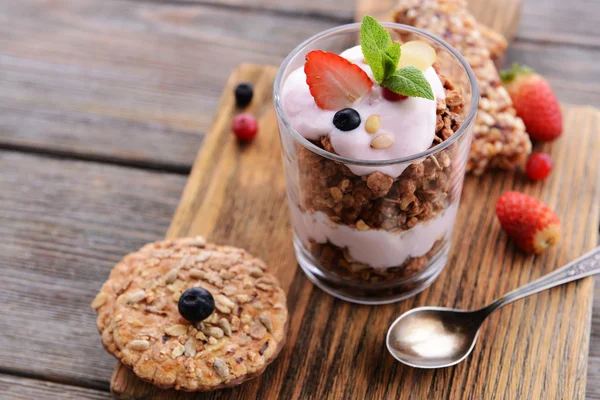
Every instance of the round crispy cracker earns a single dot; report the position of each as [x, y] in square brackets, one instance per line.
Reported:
[141, 325]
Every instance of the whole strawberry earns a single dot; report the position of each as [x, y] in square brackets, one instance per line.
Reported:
[531, 224]
[534, 101]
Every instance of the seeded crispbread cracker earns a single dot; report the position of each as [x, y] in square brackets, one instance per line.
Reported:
[141, 326]
[499, 138]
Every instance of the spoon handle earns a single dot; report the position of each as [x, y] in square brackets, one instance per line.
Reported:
[586, 265]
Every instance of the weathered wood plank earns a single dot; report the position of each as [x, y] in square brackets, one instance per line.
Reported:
[334, 10]
[544, 20]
[63, 225]
[536, 348]
[18, 388]
[126, 80]
[138, 82]
[574, 76]
[593, 377]
[573, 22]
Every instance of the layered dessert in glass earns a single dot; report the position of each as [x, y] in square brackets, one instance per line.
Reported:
[374, 160]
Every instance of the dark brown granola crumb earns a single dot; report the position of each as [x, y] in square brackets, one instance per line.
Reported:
[379, 184]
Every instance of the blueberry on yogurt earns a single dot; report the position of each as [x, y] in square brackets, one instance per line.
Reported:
[347, 119]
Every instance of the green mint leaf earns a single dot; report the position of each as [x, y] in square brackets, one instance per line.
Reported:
[394, 52]
[390, 60]
[374, 33]
[409, 81]
[374, 42]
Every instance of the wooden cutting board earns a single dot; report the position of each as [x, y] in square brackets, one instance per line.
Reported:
[534, 349]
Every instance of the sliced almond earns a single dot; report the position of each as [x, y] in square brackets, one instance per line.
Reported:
[256, 273]
[178, 350]
[197, 274]
[418, 54]
[135, 297]
[190, 347]
[171, 276]
[257, 330]
[139, 345]
[176, 330]
[215, 332]
[99, 300]
[197, 241]
[223, 304]
[266, 321]
[226, 326]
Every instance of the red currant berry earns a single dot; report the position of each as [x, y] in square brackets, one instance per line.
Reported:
[538, 166]
[244, 126]
[391, 96]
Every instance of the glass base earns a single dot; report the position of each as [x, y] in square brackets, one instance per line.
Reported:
[359, 292]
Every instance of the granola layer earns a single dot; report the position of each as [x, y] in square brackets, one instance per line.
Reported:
[499, 138]
[339, 261]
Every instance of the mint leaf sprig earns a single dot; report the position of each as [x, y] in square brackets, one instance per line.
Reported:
[383, 57]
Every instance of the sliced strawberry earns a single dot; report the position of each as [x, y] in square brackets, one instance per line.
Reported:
[334, 82]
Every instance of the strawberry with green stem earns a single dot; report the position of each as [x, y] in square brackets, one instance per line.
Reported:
[534, 102]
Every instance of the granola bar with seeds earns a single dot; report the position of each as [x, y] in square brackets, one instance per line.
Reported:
[499, 139]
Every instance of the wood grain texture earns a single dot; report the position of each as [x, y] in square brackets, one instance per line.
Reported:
[572, 22]
[137, 82]
[585, 89]
[536, 348]
[18, 388]
[501, 15]
[341, 11]
[131, 82]
[593, 379]
[64, 225]
[554, 21]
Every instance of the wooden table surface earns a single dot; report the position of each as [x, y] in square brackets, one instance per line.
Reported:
[102, 110]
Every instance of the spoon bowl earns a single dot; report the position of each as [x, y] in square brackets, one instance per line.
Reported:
[433, 337]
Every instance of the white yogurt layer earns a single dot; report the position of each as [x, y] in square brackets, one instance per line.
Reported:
[375, 247]
[411, 122]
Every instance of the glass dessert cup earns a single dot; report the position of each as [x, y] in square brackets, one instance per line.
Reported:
[377, 231]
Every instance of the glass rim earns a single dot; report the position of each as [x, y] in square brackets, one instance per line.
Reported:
[354, 161]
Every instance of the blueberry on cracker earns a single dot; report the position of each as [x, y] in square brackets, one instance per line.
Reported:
[191, 315]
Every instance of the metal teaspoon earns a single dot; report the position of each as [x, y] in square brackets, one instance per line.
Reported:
[438, 337]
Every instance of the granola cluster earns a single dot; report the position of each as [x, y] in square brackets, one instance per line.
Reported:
[140, 324]
[499, 138]
[378, 201]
